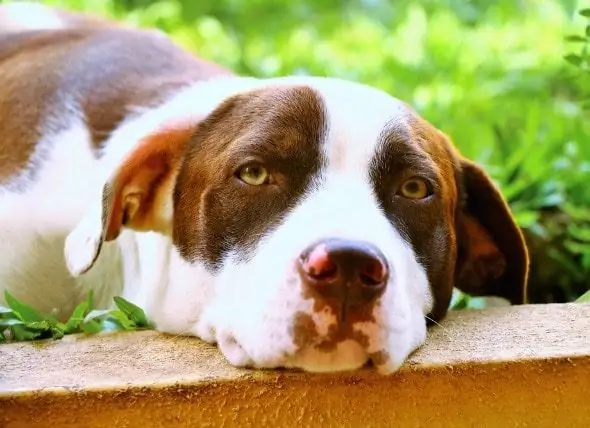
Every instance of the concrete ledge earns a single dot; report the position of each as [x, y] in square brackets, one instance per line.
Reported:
[516, 366]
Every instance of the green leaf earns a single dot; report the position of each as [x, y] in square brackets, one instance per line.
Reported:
[584, 298]
[4, 323]
[134, 312]
[22, 334]
[95, 315]
[77, 318]
[92, 326]
[4, 310]
[587, 31]
[574, 59]
[575, 38]
[44, 325]
[585, 12]
[57, 333]
[21, 311]
[123, 320]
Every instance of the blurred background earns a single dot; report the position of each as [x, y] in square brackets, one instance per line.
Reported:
[508, 80]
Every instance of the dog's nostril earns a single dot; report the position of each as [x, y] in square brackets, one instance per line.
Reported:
[374, 274]
[318, 265]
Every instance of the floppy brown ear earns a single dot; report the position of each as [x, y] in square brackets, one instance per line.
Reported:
[492, 254]
[137, 195]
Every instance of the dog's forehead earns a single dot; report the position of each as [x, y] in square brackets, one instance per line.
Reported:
[358, 119]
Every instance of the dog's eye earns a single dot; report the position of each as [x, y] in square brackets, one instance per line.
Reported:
[415, 188]
[254, 175]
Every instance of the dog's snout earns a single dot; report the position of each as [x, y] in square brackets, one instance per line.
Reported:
[354, 272]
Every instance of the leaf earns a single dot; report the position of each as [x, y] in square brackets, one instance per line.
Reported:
[92, 326]
[4, 323]
[38, 325]
[573, 59]
[22, 334]
[57, 333]
[4, 310]
[120, 318]
[95, 314]
[134, 312]
[21, 311]
[584, 298]
[575, 38]
[585, 12]
[77, 318]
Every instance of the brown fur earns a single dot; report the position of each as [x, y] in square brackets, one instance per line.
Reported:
[100, 74]
[214, 212]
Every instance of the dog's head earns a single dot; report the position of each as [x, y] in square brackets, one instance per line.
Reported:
[315, 223]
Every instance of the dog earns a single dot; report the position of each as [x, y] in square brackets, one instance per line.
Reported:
[310, 223]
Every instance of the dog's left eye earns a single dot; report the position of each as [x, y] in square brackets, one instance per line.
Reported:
[415, 188]
[254, 175]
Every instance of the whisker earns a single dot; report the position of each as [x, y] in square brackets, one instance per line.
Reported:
[443, 328]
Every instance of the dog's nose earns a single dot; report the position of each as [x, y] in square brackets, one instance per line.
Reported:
[353, 272]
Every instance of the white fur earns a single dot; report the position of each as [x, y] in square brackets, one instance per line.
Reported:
[21, 16]
[34, 224]
[248, 307]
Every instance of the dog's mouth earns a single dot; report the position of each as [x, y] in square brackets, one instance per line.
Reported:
[336, 346]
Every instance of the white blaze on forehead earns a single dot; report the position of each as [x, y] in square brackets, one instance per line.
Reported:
[357, 117]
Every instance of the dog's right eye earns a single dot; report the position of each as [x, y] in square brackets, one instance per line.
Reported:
[254, 175]
[415, 188]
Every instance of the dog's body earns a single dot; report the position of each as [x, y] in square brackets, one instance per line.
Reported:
[300, 222]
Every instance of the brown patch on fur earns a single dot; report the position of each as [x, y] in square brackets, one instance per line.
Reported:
[53, 78]
[214, 212]
[139, 194]
[304, 330]
[493, 256]
[464, 235]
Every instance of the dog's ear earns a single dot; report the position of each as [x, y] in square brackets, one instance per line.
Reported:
[492, 254]
[137, 195]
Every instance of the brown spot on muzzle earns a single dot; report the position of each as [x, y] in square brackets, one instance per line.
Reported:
[305, 333]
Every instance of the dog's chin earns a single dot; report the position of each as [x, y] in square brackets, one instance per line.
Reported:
[345, 356]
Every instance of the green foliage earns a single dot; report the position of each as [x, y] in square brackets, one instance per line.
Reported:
[21, 322]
